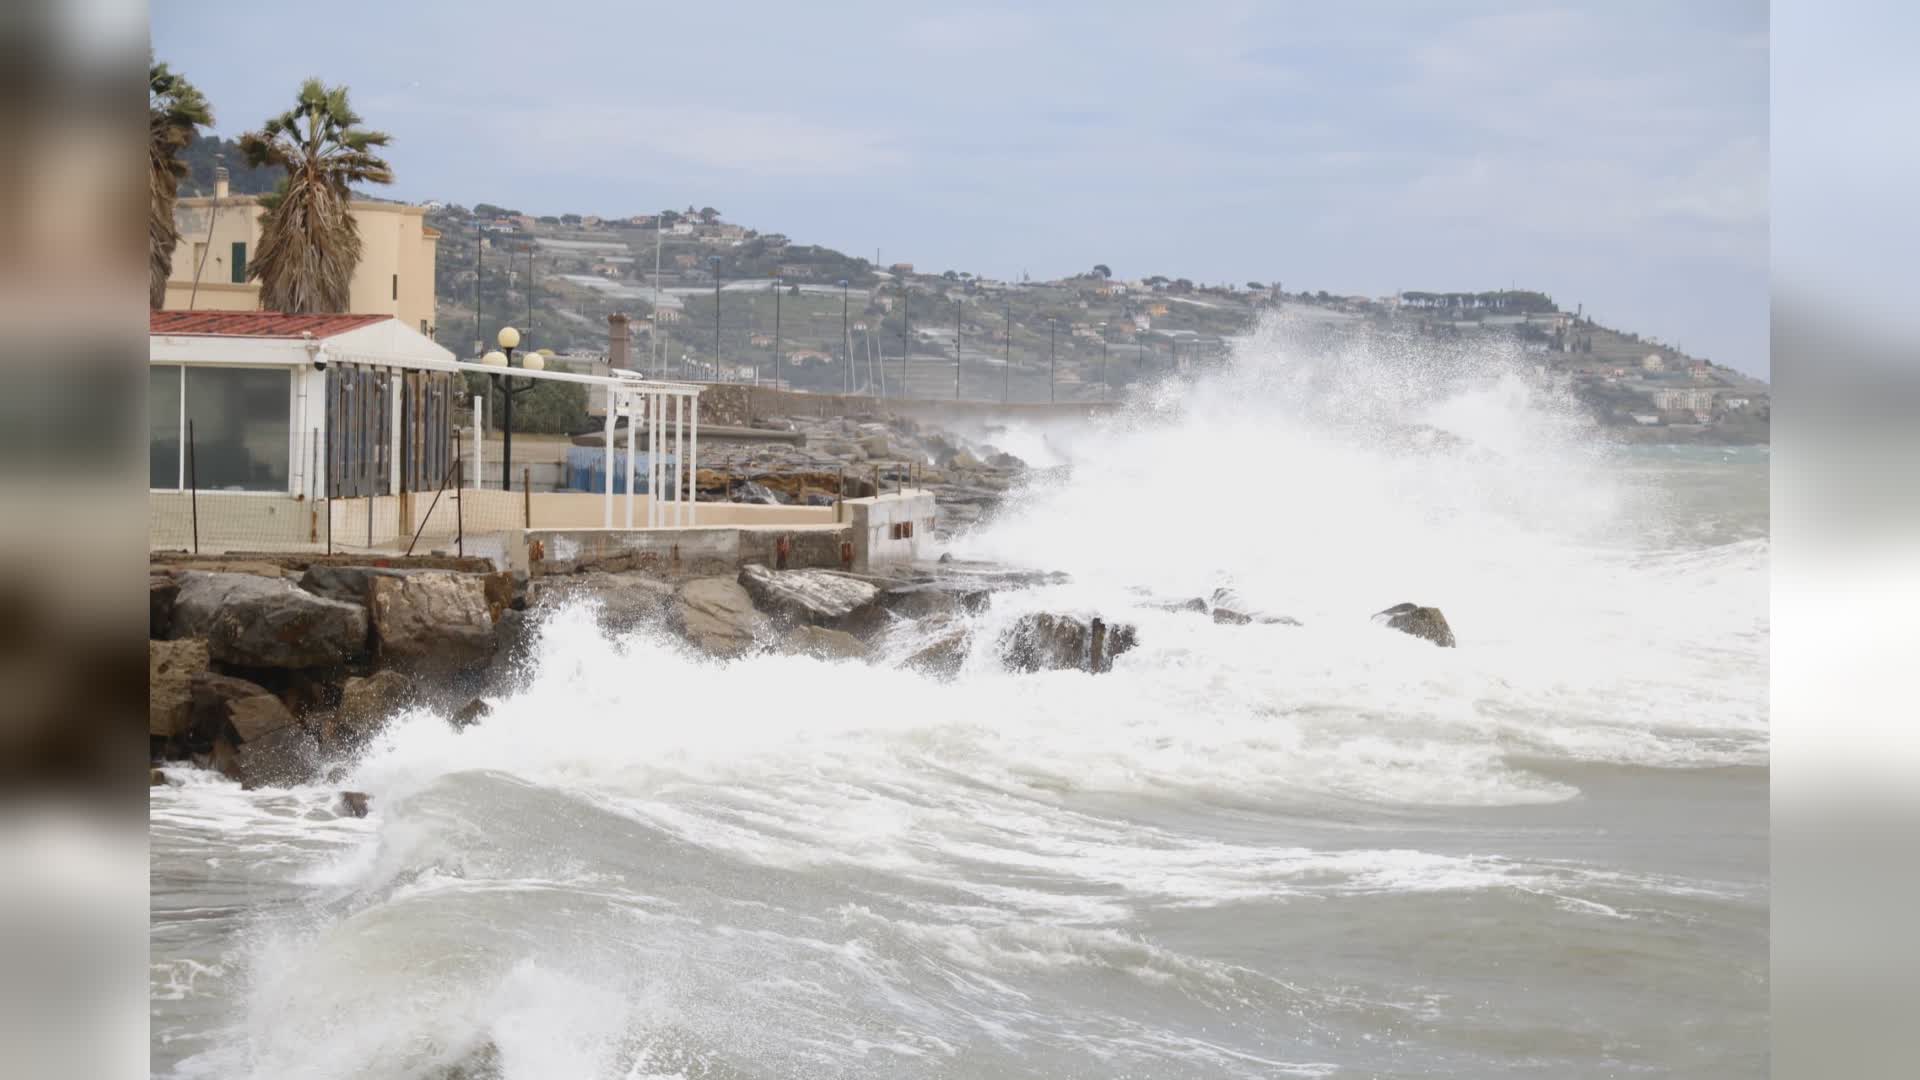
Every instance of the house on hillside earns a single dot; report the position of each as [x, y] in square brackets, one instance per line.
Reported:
[901, 268]
[1653, 362]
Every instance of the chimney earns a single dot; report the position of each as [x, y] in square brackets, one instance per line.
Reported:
[219, 181]
[617, 341]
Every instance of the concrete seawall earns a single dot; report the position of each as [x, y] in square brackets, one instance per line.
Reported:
[733, 403]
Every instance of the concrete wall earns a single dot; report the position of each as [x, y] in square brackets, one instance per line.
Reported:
[733, 404]
[873, 524]
[706, 550]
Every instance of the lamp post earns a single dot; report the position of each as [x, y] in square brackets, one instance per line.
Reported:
[906, 328]
[509, 340]
[958, 308]
[1051, 325]
[1106, 384]
[1006, 361]
[846, 342]
[530, 297]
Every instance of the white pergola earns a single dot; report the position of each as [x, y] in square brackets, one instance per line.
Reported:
[671, 496]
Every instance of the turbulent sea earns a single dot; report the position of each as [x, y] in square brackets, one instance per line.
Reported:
[1267, 850]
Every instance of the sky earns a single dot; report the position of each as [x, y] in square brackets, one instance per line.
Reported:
[1613, 155]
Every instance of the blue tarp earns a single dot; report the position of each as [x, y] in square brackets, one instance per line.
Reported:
[586, 469]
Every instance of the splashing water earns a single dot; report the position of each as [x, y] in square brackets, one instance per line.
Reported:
[1246, 851]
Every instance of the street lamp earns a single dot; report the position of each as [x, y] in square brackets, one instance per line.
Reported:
[715, 261]
[777, 285]
[846, 342]
[509, 340]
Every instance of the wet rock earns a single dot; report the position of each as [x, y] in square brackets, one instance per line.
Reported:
[823, 643]
[810, 597]
[1231, 609]
[1195, 604]
[717, 616]
[1231, 617]
[1421, 622]
[470, 714]
[171, 666]
[934, 598]
[347, 584]
[432, 622]
[875, 446]
[759, 494]
[211, 699]
[1006, 461]
[251, 719]
[162, 590]
[280, 758]
[156, 778]
[262, 622]
[625, 601]
[354, 803]
[364, 703]
[944, 655]
[964, 461]
[1044, 641]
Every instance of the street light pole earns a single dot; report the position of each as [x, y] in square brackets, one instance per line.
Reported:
[846, 342]
[1106, 384]
[776, 332]
[715, 261]
[906, 327]
[509, 340]
[1052, 324]
[529, 296]
[1006, 361]
[958, 309]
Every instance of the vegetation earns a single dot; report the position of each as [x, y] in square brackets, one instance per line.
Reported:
[175, 112]
[309, 244]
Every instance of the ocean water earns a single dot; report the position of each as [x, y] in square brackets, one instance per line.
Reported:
[1324, 850]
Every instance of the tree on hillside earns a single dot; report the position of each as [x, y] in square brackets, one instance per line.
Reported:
[1256, 286]
[174, 111]
[569, 219]
[708, 215]
[1102, 271]
[309, 244]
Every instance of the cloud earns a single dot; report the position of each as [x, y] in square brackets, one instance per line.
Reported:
[633, 138]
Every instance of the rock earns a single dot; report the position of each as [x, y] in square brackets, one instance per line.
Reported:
[1195, 604]
[812, 597]
[171, 666]
[156, 778]
[267, 622]
[875, 446]
[280, 758]
[354, 803]
[626, 601]
[1230, 608]
[251, 719]
[1230, 616]
[1043, 641]
[162, 590]
[347, 584]
[964, 461]
[823, 643]
[364, 702]
[717, 616]
[498, 588]
[1006, 461]
[944, 655]
[432, 622]
[934, 598]
[1421, 622]
[470, 714]
[212, 698]
[751, 492]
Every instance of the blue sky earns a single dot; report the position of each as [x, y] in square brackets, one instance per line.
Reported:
[1611, 154]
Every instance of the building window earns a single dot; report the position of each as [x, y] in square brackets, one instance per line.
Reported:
[239, 262]
[239, 424]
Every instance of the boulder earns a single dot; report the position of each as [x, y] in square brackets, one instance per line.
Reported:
[162, 590]
[364, 702]
[212, 698]
[1421, 622]
[823, 644]
[280, 758]
[156, 778]
[250, 719]
[626, 601]
[265, 622]
[944, 655]
[347, 584]
[1043, 641]
[432, 622]
[717, 616]
[875, 446]
[810, 597]
[964, 461]
[354, 803]
[934, 598]
[469, 714]
[1230, 608]
[499, 590]
[1006, 461]
[751, 492]
[171, 666]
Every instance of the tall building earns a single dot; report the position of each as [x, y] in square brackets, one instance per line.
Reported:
[219, 235]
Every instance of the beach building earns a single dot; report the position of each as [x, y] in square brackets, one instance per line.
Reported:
[220, 233]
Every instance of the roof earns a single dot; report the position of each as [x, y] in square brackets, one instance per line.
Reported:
[261, 324]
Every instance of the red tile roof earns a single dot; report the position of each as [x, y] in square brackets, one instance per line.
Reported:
[270, 324]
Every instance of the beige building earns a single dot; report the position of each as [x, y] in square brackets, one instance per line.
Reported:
[219, 235]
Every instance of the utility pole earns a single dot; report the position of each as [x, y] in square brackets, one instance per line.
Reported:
[659, 223]
[776, 331]
[1106, 384]
[846, 342]
[479, 335]
[1006, 362]
[529, 345]
[714, 260]
[906, 328]
[1051, 325]
[958, 308]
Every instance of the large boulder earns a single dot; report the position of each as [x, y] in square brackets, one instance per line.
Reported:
[1421, 622]
[432, 622]
[811, 597]
[926, 599]
[945, 654]
[162, 591]
[253, 738]
[171, 666]
[717, 616]
[1044, 641]
[280, 758]
[347, 584]
[364, 703]
[625, 601]
[211, 698]
[263, 622]
[1231, 609]
[823, 644]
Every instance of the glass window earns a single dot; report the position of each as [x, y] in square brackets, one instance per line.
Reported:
[163, 414]
[240, 428]
[239, 262]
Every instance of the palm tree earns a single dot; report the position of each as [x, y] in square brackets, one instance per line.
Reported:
[174, 110]
[309, 244]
